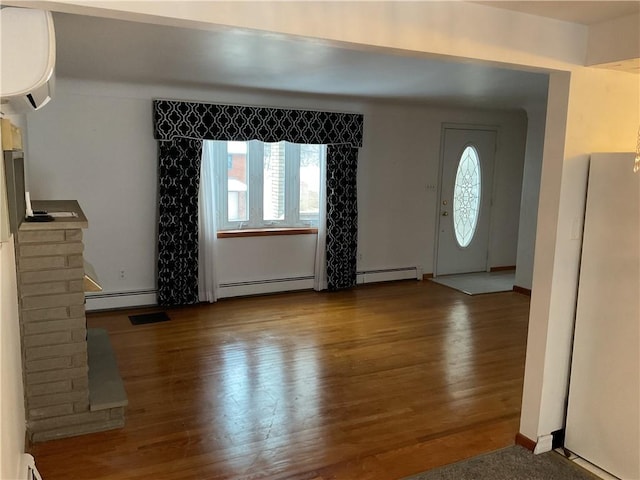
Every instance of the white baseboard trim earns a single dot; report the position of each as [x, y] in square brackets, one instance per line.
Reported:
[544, 444]
[259, 287]
[126, 299]
[390, 274]
[597, 471]
[29, 470]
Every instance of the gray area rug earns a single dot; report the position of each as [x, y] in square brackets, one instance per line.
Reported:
[479, 283]
[511, 463]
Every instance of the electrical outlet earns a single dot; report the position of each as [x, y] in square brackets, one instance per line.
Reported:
[122, 275]
[359, 257]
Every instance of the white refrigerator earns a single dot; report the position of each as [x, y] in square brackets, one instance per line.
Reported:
[603, 419]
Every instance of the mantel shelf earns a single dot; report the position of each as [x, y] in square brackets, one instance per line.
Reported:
[59, 223]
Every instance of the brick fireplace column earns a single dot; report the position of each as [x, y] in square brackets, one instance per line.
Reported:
[53, 329]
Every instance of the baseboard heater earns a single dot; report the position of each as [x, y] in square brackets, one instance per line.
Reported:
[257, 287]
[390, 274]
[139, 298]
[111, 300]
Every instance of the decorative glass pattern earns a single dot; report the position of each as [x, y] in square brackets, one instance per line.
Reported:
[466, 197]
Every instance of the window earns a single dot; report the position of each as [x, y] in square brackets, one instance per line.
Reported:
[466, 197]
[267, 185]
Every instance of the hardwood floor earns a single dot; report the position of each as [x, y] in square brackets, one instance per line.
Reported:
[375, 383]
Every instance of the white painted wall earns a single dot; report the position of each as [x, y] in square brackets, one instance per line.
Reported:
[530, 193]
[98, 148]
[12, 418]
[590, 110]
[614, 40]
[264, 258]
[94, 143]
[398, 178]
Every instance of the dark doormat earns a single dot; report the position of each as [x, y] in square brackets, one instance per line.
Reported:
[145, 318]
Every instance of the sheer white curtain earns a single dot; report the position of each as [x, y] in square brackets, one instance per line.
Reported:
[207, 228]
[320, 269]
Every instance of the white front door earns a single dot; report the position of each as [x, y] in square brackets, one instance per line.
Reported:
[465, 200]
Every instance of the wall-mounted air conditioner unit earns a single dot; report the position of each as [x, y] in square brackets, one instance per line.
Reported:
[27, 59]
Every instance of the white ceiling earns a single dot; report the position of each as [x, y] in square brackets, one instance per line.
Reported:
[575, 11]
[122, 51]
[116, 50]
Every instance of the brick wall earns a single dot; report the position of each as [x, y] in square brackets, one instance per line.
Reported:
[54, 336]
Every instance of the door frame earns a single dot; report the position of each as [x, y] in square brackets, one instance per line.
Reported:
[463, 126]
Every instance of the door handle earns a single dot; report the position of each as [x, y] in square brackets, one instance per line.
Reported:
[445, 214]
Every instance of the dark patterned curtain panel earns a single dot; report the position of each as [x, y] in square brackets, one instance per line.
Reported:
[207, 121]
[342, 216]
[179, 179]
[180, 128]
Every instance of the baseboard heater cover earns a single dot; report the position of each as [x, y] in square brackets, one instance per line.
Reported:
[257, 287]
[263, 282]
[128, 293]
[389, 274]
[139, 298]
[112, 300]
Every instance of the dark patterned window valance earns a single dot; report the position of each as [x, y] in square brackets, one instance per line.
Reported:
[207, 121]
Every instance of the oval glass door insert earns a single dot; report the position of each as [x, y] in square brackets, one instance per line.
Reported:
[466, 197]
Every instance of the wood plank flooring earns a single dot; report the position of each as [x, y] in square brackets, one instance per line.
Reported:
[375, 383]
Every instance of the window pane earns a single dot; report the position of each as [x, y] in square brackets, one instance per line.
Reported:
[237, 210]
[310, 181]
[261, 185]
[466, 197]
[274, 181]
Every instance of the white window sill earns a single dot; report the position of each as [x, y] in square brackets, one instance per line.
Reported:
[267, 232]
